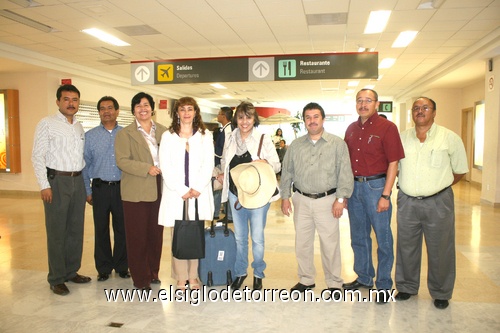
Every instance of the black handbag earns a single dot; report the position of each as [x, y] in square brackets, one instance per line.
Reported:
[188, 240]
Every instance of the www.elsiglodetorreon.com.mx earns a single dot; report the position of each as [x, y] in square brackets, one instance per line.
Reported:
[227, 294]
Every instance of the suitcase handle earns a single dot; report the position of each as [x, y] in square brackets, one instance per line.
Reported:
[226, 229]
[212, 229]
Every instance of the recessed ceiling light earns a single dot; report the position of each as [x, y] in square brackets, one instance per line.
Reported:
[217, 85]
[105, 37]
[405, 38]
[26, 3]
[377, 21]
[227, 96]
[387, 63]
[26, 21]
[352, 83]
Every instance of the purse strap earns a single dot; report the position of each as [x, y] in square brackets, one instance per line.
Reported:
[186, 208]
[260, 146]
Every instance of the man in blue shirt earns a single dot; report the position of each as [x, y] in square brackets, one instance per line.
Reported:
[104, 192]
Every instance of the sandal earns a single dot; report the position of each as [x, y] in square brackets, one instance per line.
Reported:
[194, 285]
[181, 286]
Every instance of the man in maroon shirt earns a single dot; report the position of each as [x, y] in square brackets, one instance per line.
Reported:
[375, 149]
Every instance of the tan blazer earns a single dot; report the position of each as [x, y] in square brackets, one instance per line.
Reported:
[134, 158]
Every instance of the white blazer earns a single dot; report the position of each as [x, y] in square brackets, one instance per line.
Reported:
[267, 152]
[201, 164]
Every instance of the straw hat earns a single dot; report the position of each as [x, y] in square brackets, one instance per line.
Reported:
[256, 183]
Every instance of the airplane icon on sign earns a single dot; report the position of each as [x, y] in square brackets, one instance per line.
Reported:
[165, 72]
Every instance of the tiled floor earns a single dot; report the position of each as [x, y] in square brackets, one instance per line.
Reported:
[28, 305]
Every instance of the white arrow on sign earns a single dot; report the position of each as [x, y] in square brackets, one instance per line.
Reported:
[142, 73]
[260, 69]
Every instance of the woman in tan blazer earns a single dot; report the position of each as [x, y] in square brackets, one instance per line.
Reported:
[136, 150]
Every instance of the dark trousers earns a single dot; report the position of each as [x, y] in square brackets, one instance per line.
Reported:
[107, 200]
[144, 239]
[434, 220]
[64, 226]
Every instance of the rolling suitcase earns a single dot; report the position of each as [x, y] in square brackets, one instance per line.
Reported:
[217, 268]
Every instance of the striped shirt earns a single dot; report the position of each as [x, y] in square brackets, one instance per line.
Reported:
[58, 145]
[99, 154]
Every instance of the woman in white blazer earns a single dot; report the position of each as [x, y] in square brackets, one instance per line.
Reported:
[186, 160]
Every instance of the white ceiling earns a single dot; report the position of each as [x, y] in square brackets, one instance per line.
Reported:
[451, 49]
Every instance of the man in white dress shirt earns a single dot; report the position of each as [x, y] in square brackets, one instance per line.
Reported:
[58, 162]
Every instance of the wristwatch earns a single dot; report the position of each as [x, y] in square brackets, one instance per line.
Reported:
[386, 197]
[341, 200]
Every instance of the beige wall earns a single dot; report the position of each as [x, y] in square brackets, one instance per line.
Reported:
[490, 192]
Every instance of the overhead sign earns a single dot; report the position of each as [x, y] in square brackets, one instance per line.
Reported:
[264, 68]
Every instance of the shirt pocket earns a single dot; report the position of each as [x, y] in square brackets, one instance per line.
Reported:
[437, 157]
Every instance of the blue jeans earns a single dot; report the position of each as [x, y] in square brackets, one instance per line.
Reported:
[363, 216]
[257, 220]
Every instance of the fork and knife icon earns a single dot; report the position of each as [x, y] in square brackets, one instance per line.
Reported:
[287, 65]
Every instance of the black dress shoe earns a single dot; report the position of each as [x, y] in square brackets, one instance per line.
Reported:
[80, 279]
[383, 296]
[155, 281]
[60, 289]
[402, 296]
[302, 287]
[124, 274]
[335, 293]
[238, 282]
[102, 277]
[354, 285]
[257, 283]
[441, 303]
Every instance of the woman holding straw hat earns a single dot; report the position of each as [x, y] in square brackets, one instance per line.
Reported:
[250, 164]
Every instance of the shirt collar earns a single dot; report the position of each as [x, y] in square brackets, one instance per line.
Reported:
[152, 123]
[116, 125]
[63, 118]
[373, 119]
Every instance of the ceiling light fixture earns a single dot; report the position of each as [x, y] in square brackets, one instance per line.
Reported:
[227, 96]
[26, 3]
[430, 4]
[109, 52]
[387, 63]
[26, 21]
[105, 37]
[377, 21]
[352, 83]
[217, 85]
[405, 38]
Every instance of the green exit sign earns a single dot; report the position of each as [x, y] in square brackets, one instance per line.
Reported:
[385, 107]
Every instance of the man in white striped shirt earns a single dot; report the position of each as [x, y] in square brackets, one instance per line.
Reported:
[57, 158]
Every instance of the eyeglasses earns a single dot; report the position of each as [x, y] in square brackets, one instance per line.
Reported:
[417, 108]
[366, 101]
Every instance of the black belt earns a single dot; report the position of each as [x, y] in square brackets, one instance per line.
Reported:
[63, 173]
[365, 179]
[99, 180]
[315, 195]
[429, 196]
